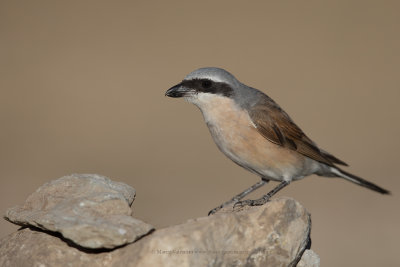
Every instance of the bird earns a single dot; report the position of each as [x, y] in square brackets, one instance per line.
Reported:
[252, 130]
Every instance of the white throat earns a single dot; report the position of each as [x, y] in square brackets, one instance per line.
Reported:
[214, 107]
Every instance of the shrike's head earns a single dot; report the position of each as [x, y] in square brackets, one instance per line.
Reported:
[205, 83]
[206, 86]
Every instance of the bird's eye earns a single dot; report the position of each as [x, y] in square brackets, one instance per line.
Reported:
[206, 84]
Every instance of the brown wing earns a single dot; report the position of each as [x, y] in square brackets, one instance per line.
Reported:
[275, 125]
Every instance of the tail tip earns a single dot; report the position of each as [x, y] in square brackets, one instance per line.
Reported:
[385, 192]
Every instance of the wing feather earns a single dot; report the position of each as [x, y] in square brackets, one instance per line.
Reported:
[275, 125]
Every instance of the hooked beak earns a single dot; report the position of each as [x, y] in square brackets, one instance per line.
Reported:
[178, 91]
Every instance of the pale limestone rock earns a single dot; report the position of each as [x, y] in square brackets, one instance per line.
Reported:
[91, 210]
[84, 220]
[309, 259]
[26, 248]
[275, 234]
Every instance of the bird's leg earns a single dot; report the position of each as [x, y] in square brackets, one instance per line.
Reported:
[264, 199]
[240, 196]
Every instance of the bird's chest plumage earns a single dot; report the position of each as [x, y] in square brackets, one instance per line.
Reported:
[236, 136]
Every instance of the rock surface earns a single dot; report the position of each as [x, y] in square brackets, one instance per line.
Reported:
[309, 259]
[88, 209]
[275, 234]
[28, 247]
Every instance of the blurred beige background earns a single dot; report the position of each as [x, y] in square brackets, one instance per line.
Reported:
[82, 91]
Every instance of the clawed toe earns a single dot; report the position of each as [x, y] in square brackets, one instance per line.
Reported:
[213, 211]
[241, 204]
[250, 202]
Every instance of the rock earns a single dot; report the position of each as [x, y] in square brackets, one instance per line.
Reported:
[88, 209]
[275, 234]
[309, 259]
[27, 247]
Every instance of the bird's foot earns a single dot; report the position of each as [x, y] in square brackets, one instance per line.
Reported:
[250, 202]
[226, 204]
[215, 210]
[240, 204]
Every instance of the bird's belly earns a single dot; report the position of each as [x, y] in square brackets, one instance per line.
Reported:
[239, 140]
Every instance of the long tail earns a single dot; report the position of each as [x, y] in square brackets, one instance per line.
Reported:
[357, 180]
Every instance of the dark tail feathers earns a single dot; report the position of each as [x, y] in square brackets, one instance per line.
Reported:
[357, 180]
